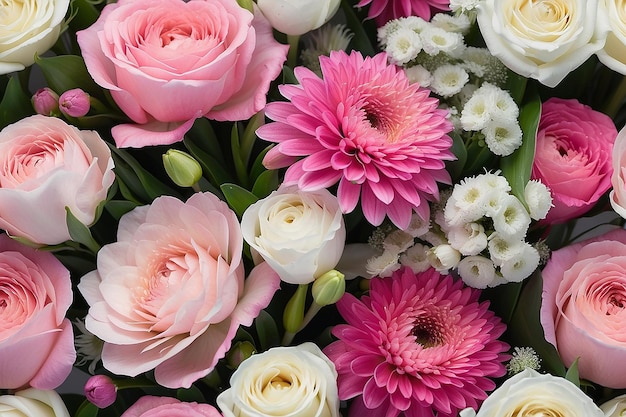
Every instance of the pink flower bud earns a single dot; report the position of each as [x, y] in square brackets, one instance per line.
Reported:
[74, 103]
[100, 390]
[45, 101]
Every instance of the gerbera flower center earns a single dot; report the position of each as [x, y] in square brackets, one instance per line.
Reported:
[427, 332]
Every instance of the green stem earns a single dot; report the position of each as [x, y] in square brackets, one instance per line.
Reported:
[617, 99]
[310, 314]
[292, 56]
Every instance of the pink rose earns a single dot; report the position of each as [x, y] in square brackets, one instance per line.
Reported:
[45, 166]
[617, 195]
[151, 406]
[573, 156]
[170, 294]
[583, 308]
[168, 62]
[36, 340]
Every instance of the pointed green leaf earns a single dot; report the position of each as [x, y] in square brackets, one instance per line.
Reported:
[191, 394]
[117, 208]
[455, 168]
[15, 104]
[572, 374]
[211, 166]
[84, 14]
[79, 232]
[517, 167]
[265, 184]
[87, 409]
[360, 41]
[257, 166]
[240, 164]
[267, 330]
[238, 198]
[66, 72]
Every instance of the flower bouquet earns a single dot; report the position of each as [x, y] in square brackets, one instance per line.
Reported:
[317, 208]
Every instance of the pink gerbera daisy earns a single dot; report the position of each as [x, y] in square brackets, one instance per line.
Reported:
[365, 126]
[385, 10]
[422, 345]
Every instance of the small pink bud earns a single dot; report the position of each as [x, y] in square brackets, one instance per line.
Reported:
[101, 391]
[46, 102]
[74, 103]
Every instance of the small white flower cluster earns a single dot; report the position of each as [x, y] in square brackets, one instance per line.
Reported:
[493, 112]
[463, 6]
[480, 231]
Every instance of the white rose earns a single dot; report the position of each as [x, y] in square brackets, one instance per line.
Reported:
[300, 234]
[538, 395]
[29, 27]
[298, 381]
[542, 39]
[612, 15]
[32, 402]
[297, 17]
[615, 407]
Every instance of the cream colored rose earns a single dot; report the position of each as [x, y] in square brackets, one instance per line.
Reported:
[298, 17]
[33, 403]
[612, 15]
[28, 27]
[541, 39]
[295, 381]
[530, 393]
[300, 234]
[615, 407]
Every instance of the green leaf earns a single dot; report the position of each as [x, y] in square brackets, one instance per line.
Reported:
[288, 76]
[211, 166]
[572, 374]
[15, 104]
[240, 164]
[360, 41]
[525, 326]
[265, 184]
[84, 14]
[238, 198]
[517, 167]
[149, 186]
[516, 86]
[257, 166]
[191, 394]
[65, 72]
[478, 158]
[87, 409]
[267, 330]
[455, 168]
[79, 232]
[117, 208]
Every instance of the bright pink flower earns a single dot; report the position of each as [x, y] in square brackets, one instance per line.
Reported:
[365, 126]
[386, 10]
[168, 62]
[573, 156]
[100, 390]
[74, 103]
[583, 307]
[36, 340]
[152, 406]
[422, 345]
[170, 294]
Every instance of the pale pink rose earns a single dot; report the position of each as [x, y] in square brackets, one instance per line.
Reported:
[151, 406]
[617, 195]
[36, 340]
[573, 156]
[583, 308]
[168, 62]
[170, 294]
[45, 166]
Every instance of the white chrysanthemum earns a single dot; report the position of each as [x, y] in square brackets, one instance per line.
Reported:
[495, 182]
[398, 241]
[402, 46]
[418, 226]
[477, 271]
[420, 75]
[416, 258]
[383, 265]
[443, 257]
[384, 31]
[436, 40]
[463, 5]
[452, 23]
[502, 136]
[88, 347]
[476, 112]
[504, 105]
[521, 266]
[511, 221]
[469, 239]
[466, 204]
[448, 80]
[502, 249]
[414, 23]
[538, 199]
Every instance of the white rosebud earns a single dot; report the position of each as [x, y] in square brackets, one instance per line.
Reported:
[301, 235]
[298, 18]
[469, 238]
[615, 407]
